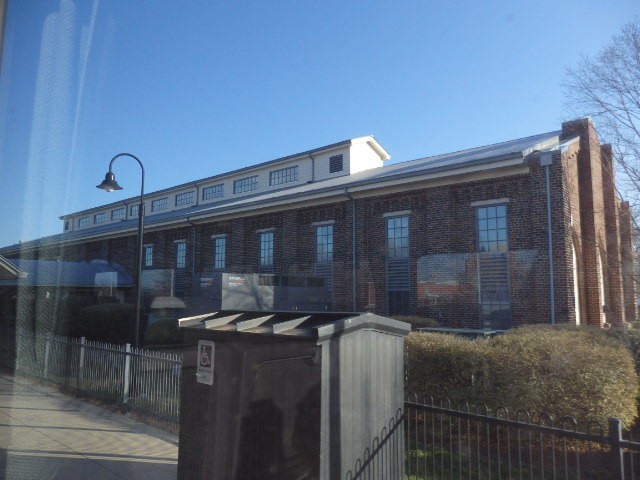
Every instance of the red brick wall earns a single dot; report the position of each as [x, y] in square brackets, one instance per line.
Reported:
[598, 228]
[614, 293]
[626, 257]
[585, 215]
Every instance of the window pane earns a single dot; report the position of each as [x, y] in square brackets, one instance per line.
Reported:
[266, 249]
[160, 204]
[148, 255]
[118, 213]
[220, 247]
[398, 237]
[215, 191]
[324, 244]
[284, 175]
[181, 254]
[245, 184]
[186, 198]
[495, 304]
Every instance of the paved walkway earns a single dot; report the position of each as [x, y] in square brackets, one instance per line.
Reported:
[46, 435]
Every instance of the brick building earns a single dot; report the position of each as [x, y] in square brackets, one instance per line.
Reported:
[525, 231]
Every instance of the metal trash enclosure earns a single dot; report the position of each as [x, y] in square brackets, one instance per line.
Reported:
[279, 395]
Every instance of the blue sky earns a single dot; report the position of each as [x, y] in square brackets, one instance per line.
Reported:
[197, 88]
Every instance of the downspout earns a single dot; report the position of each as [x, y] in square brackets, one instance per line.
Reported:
[313, 168]
[197, 187]
[546, 159]
[193, 249]
[353, 248]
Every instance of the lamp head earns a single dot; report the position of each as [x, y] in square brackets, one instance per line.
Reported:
[109, 183]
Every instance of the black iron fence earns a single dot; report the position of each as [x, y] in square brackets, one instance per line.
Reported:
[436, 441]
[384, 459]
[461, 442]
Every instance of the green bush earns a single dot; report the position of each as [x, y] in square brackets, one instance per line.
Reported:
[162, 332]
[441, 365]
[581, 373]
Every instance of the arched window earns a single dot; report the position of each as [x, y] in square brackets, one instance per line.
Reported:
[576, 283]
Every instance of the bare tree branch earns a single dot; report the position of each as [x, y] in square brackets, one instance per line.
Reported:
[606, 87]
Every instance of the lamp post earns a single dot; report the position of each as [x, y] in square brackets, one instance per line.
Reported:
[109, 184]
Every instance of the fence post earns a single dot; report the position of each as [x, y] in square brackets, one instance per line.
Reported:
[81, 364]
[47, 349]
[127, 373]
[617, 453]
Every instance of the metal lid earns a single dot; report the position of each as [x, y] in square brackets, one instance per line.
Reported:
[316, 325]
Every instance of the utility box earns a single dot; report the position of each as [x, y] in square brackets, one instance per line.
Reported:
[286, 395]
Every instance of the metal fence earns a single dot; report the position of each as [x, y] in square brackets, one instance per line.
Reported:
[385, 458]
[144, 381]
[443, 441]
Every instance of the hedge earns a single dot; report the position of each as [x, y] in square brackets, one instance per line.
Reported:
[581, 373]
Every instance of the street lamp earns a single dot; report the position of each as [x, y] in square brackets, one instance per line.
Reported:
[109, 184]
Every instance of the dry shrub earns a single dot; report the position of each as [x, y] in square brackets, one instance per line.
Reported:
[581, 373]
[440, 366]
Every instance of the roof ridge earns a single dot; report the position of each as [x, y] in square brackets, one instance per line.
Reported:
[465, 150]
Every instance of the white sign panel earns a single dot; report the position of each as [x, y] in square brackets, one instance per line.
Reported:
[204, 372]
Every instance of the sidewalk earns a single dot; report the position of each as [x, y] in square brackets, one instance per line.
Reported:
[46, 435]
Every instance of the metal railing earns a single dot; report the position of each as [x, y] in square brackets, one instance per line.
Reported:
[439, 441]
[443, 441]
[384, 459]
[141, 380]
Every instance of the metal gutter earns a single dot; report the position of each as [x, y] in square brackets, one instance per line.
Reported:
[354, 283]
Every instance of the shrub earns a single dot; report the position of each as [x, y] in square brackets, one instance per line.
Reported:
[69, 314]
[585, 374]
[417, 322]
[443, 366]
[108, 322]
[162, 332]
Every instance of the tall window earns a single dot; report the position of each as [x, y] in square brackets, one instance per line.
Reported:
[83, 222]
[245, 184]
[181, 254]
[214, 191]
[99, 218]
[118, 213]
[186, 198]
[324, 244]
[493, 267]
[134, 209]
[492, 229]
[148, 255]
[324, 254]
[398, 237]
[398, 282]
[219, 253]
[181, 263]
[284, 175]
[160, 204]
[266, 251]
